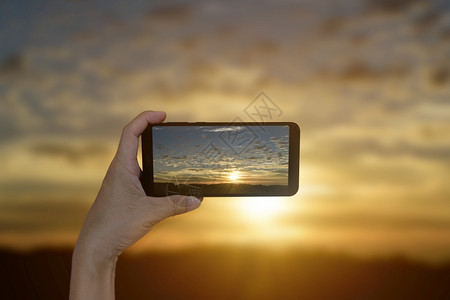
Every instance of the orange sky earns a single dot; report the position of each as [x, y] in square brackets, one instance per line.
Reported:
[367, 82]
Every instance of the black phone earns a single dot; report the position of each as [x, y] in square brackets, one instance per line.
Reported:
[221, 159]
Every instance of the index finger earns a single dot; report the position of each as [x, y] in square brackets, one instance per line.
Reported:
[129, 141]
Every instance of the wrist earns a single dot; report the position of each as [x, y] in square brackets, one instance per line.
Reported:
[94, 255]
[93, 273]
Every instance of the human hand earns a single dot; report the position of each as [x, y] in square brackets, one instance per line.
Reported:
[122, 213]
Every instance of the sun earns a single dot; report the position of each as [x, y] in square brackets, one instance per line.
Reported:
[234, 176]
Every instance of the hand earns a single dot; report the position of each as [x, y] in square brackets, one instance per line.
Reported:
[120, 216]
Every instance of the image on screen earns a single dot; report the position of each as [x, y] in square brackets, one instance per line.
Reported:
[222, 159]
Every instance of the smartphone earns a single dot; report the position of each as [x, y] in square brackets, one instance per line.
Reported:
[221, 159]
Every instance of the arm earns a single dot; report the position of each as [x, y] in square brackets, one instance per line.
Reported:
[120, 216]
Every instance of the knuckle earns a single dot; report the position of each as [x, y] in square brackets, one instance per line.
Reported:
[174, 210]
[128, 129]
[171, 206]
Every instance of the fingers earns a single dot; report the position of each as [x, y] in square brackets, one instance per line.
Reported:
[181, 203]
[129, 141]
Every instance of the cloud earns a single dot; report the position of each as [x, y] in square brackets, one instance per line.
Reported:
[391, 6]
[42, 215]
[427, 19]
[70, 152]
[331, 26]
[361, 71]
[170, 13]
[440, 76]
[263, 47]
[12, 64]
[225, 129]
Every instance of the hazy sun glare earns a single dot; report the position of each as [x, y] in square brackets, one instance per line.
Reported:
[234, 176]
[261, 209]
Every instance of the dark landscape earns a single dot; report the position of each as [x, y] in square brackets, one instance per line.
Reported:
[232, 273]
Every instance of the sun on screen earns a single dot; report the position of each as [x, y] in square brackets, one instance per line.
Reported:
[234, 176]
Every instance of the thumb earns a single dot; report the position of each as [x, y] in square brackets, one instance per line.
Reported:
[183, 203]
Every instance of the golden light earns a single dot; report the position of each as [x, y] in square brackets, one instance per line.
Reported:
[234, 176]
[261, 208]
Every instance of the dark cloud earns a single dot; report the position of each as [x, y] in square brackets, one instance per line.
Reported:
[69, 152]
[42, 215]
[32, 189]
[358, 70]
[12, 64]
[84, 36]
[427, 19]
[391, 6]
[358, 38]
[226, 32]
[264, 47]
[440, 76]
[172, 13]
[331, 26]
[445, 33]
[190, 43]
[203, 69]
[261, 146]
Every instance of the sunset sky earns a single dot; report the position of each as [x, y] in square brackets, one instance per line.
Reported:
[214, 154]
[368, 82]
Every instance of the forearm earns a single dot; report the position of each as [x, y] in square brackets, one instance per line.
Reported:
[92, 275]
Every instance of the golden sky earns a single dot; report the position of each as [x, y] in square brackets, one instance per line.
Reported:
[367, 81]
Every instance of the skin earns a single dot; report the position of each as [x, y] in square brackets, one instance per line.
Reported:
[120, 216]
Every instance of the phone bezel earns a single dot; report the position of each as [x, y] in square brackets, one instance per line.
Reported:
[294, 156]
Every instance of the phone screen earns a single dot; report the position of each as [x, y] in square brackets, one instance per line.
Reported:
[221, 160]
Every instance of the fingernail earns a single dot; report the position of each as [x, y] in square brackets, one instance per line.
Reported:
[192, 201]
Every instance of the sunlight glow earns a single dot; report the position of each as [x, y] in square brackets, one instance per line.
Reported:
[234, 176]
[262, 208]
